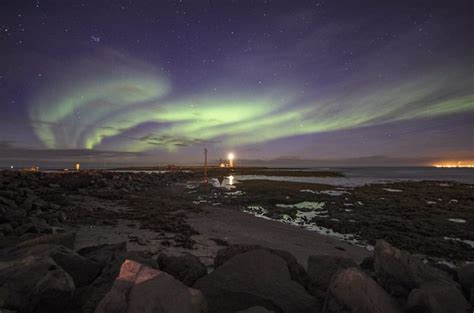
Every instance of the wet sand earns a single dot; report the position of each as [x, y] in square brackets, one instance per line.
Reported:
[241, 228]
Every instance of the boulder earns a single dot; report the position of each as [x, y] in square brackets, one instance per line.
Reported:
[39, 204]
[110, 257]
[6, 229]
[141, 289]
[36, 225]
[143, 257]
[7, 203]
[367, 263]
[256, 309]
[54, 222]
[186, 268]
[106, 253]
[27, 204]
[399, 272]
[297, 271]
[321, 269]
[451, 271]
[255, 278]
[437, 298]
[8, 194]
[82, 270]
[351, 290]
[9, 214]
[466, 277]
[35, 284]
[471, 297]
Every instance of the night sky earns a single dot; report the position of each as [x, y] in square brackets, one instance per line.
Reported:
[157, 81]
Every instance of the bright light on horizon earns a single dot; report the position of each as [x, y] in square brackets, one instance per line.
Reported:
[231, 156]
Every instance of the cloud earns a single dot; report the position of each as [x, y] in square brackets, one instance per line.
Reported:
[10, 151]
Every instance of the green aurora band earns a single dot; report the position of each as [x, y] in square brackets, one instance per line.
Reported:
[137, 112]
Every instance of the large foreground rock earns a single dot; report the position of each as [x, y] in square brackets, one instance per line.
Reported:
[297, 272]
[110, 257]
[104, 254]
[255, 278]
[466, 277]
[399, 272]
[82, 270]
[186, 268]
[256, 309]
[141, 289]
[351, 290]
[437, 298]
[321, 269]
[35, 284]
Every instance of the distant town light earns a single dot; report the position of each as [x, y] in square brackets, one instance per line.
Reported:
[458, 164]
[11, 166]
[78, 167]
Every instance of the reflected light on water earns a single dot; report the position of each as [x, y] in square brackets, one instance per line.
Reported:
[231, 180]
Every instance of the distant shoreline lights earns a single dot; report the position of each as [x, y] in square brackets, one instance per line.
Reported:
[459, 164]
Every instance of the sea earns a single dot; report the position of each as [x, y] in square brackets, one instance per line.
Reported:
[357, 176]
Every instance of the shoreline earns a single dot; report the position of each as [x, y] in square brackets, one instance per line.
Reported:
[128, 203]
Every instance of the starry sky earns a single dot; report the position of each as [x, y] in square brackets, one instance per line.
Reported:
[155, 82]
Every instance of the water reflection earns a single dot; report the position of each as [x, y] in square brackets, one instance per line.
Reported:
[224, 182]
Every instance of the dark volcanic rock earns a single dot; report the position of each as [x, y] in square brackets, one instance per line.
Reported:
[82, 270]
[351, 290]
[110, 257]
[36, 225]
[471, 297]
[321, 269]
[186, 268]
[297, 271]
[140, 289]
[445, 268]
[255, 309]
[11, 215]
[106, 253]
[437, 298]
[255, 278]
[466, 277]
[35, 284]
[399, 272]
[27, 204]
[367, 263]
[6, 229]
[7, 203]
[143, 257]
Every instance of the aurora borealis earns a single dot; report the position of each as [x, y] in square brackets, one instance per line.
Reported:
[159, 81]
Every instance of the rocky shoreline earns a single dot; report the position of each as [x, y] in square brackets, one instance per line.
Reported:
[425, 217]
[130, 242]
